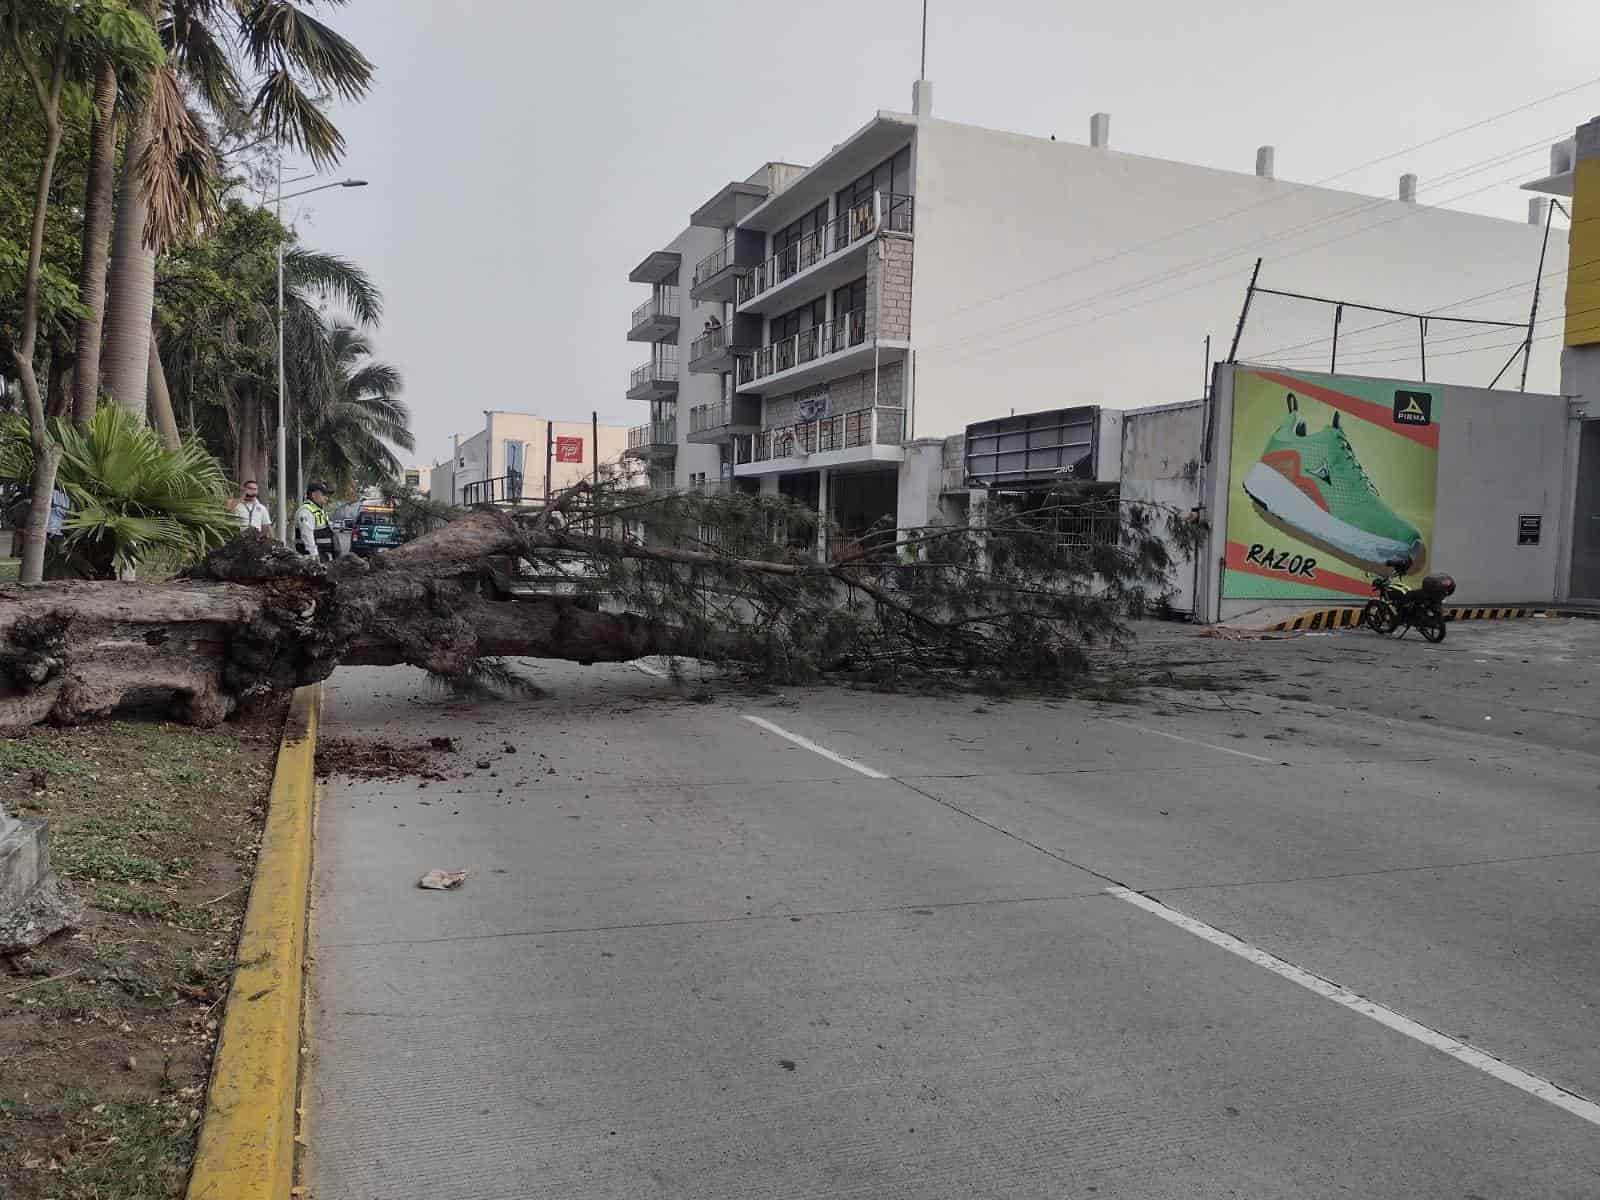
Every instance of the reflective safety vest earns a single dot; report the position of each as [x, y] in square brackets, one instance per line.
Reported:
[322, 533]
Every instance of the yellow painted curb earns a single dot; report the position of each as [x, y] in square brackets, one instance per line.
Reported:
[246, 1147]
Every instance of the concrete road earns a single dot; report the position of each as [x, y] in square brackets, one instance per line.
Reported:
[891, 946]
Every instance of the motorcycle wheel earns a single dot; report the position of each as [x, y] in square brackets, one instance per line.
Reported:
[1380, 617]
[1431, 626]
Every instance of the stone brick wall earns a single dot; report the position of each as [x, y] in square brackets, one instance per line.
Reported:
[845, 395]
[894, 269]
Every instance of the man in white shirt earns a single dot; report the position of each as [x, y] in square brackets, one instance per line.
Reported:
[251, 513]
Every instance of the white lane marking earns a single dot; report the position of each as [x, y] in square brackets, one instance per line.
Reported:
[649, 670]
[1191, 741]
[808, 744]
[1464, 1052]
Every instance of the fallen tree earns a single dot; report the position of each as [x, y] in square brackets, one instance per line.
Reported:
[733, 579]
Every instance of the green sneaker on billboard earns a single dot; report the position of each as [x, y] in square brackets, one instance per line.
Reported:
[1314, 485]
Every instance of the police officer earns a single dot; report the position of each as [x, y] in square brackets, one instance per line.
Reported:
[313, 536]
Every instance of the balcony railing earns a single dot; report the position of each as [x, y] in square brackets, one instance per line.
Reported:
[662, 368]
[811, 344]
[711, 342]
[710, 416]
[501, 489]
[843, 431]
[718, 260]
[655, 434]
[663, 304]
[886, 210]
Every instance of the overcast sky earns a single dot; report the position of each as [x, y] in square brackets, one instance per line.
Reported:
[523, 157]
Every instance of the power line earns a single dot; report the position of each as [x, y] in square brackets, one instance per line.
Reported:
[1249, 247]
[1354, 333]
[1413, 210]
[1367, 350]
[1294, 190]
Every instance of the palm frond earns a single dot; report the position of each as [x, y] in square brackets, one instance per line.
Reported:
[179, 164]
[293, 118]
[376, 379]
[203, 61]
[130, 496]
[335, 276]
[279, 36]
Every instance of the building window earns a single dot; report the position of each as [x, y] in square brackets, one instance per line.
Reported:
[892, 175]
[797, 246]
[794, 335]
[514, 456]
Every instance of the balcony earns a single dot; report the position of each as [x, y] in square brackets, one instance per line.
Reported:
[656, 318]
[825, 258]
[828, 351]
[502, 489]
[717, 275]
[865, 436]
[658, 266]
[656, 379]
[717, 350]
[720, 422]
[655, 440]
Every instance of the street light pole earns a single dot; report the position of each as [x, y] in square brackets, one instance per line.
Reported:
[283, 428]
[283, 449]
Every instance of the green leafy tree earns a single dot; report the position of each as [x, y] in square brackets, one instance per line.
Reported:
[53, 40]
[258, 63]
[130, 497]
[350, 425]
[218, 317]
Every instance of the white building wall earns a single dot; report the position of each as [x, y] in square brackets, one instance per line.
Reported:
[484, 454]
[694, 243]
[1038, 276]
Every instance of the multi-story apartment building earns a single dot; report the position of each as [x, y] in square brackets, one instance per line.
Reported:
[811, 324]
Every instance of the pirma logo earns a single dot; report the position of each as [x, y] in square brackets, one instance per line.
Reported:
[1413, 408]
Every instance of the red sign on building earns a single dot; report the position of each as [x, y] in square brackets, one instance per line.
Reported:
[569, 449]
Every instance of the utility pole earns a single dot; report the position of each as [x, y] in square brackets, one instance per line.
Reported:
[549, 455]
[1249, 294]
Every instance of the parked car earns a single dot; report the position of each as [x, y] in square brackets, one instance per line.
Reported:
[374, 529]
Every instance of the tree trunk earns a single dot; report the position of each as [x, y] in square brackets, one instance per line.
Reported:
[270, 620]
[247, 440]
[46, 451]
[58, 389]
[131, 290]
[161, 415]
[97, 215]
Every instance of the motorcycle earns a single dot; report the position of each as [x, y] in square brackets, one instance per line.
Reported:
[1398, 606]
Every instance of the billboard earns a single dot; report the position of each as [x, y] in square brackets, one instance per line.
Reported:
[569, 449]
[1331, 481]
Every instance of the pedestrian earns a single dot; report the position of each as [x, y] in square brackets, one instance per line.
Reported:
[250, 512]
[313, 536]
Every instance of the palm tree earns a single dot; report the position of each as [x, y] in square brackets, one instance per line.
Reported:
[291, 59]
[219, 335]
[350, 424]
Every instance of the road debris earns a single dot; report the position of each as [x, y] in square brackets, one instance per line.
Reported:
[440, 880]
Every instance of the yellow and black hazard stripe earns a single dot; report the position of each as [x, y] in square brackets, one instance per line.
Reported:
[1349, 618]
[1322, 618]
[1488, 614]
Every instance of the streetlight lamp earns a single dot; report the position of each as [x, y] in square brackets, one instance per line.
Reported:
[283, 433]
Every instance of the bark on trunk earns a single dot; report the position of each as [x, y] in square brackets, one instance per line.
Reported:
[97, 213]
[161, 415]
[58, 391]
[131, 292]
[269, 620]
[46, 451]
